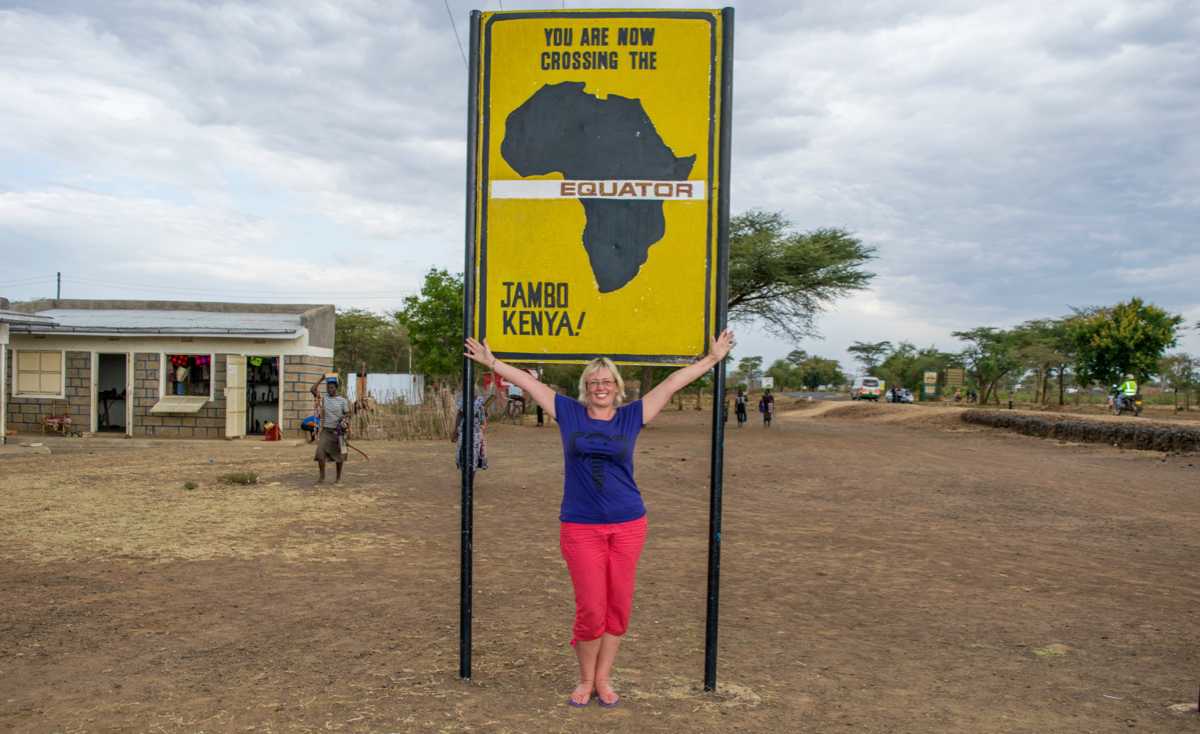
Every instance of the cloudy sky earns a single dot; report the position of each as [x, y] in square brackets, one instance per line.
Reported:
[1008, 160]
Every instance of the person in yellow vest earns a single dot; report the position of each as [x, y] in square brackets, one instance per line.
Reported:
[1128, 390]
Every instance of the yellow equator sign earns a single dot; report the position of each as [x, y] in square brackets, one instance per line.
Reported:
[596, 184]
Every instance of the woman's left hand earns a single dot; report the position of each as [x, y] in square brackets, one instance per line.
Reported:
[720, 346]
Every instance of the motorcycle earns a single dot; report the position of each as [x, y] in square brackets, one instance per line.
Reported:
[1124, 403]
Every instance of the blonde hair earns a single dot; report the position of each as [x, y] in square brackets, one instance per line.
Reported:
[591, 368]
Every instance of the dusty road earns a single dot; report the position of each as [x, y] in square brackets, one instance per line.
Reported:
[884, 571]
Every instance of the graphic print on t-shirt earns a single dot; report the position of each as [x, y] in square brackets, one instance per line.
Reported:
[599, 448]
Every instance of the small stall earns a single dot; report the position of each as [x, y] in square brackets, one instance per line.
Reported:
[163, 368]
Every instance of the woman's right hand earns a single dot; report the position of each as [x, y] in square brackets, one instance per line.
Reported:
[479, 352]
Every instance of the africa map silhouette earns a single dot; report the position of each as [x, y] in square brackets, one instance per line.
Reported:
[563, 129]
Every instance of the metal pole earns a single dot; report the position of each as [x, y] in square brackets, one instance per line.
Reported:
[3, 384]
[717, 467]
[468, 388]
[58, 288]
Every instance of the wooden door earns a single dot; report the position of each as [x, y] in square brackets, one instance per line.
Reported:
[235, 396]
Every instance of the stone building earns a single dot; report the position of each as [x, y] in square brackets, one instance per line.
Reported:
[162, 368]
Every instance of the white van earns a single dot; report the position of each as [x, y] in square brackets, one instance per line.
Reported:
[866, 388]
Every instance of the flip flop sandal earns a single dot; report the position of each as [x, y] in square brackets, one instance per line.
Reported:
[572, 702]
[616, 702]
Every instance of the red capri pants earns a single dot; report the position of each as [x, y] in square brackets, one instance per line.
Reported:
[603, 562]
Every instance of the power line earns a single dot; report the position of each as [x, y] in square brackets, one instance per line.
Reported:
[458, 40]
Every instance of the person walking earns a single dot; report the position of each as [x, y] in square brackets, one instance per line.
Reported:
[740, 406]
[479, 420]
[335, 424]
[602, 515]
[766, 406]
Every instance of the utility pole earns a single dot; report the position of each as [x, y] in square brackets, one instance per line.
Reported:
[58, 291]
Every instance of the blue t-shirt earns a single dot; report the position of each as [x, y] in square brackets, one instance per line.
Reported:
[598, 484]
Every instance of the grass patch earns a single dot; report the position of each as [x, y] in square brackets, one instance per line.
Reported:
[190, 485]
[1054, 650]
[240, 477]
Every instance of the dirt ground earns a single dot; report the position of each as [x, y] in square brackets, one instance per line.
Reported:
[885, 569]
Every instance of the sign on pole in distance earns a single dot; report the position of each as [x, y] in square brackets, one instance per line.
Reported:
[955, 377]
[768, 383]
[596, 191]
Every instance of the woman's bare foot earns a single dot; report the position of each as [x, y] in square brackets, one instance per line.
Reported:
[605, 692]
[582, 695]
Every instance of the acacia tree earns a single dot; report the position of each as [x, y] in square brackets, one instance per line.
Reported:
[988, 358]
[1044, 345]
[906, 365]
[785, 278]
[750, 368]
[869, 354]
[1130, 337]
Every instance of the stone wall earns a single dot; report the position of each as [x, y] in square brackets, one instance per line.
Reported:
[209, 422]
[25, 414]
[299, 374]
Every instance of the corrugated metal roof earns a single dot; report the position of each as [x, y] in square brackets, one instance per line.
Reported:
[16, 317]
[189, 323]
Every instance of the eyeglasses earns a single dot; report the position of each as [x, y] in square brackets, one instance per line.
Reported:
[593, 384]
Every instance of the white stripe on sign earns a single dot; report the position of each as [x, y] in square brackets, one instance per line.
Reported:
[607, 189]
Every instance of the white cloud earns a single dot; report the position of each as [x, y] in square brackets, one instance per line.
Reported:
[1007, 160]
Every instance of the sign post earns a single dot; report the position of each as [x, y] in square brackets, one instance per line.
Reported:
[929, 386]
[598, 203]
[467, 455]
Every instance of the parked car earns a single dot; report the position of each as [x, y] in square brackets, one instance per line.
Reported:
[902, 395]
[866, 388]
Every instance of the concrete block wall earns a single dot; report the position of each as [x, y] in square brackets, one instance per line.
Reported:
[299, 374]
[209, 422]
[25, 414]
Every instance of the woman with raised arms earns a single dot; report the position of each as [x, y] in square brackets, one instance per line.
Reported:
[602, 519]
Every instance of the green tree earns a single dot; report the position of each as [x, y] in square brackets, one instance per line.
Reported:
[434, 320]
[989, 357]
[797, 356]
[364, 337]
[750, 368]
[1130, 337]
[906, 365]
[395, 350]
[869, 354]
[817, 371]
[1180, 371]
[1043, 345]
[786, 278]
[784, 373]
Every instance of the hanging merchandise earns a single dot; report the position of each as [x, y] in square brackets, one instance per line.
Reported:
[256, 361]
